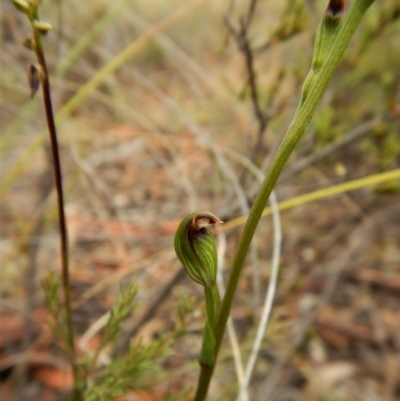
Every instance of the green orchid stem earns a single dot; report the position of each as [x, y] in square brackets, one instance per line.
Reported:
[213, 304]
[207, 354]
[295, 131]
[60, 204]
[206, 373]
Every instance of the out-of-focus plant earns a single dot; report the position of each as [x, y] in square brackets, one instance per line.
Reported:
[93, 381]
[38, 76]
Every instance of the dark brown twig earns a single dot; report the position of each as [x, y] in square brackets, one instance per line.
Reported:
[242, 39]
[44, 79]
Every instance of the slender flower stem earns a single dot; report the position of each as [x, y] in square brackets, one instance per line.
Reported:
[206, 373]
[297, 128]
[60, 205]
[213, 303]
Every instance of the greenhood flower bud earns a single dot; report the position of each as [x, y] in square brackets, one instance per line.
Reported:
[42, 27]
[195, 247]
[21, 5]
[34, 75]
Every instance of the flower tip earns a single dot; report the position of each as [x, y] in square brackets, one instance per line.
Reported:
[21, 5]
[42, 27]
[205, 220]
[335, 8]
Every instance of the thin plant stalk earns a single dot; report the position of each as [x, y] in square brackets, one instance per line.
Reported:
[297, 128]
[60, 205]
[237, 357]
[269, 298]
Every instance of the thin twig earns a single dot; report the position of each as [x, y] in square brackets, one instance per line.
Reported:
[269, 299]
[241, 36]
[250, 13]
[243, 43]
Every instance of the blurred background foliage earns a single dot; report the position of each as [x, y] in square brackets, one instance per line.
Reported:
[142, 148]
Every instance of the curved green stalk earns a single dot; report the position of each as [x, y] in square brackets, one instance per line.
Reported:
[295, 131]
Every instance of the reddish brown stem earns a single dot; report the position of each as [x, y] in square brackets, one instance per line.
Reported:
[60, 206]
